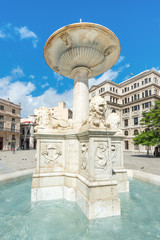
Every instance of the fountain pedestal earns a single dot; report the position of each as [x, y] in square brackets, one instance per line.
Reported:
[82, 162]
[79, 167]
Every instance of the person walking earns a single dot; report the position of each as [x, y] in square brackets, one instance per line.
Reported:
[13, 149]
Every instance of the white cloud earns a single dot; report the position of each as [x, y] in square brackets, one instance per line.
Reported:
[57, 76]
[109, 75]
[25, 33]
[17, 72]
[31, 76]
[4, 82]
[127, 65]
[120, 59]
[44, 77]
[2, 35]
[156, 69]
[45, 85]
[19, 91]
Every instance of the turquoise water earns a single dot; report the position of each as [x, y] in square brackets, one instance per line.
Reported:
[57, 220]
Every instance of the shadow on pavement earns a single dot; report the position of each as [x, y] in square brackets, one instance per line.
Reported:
[144, 156]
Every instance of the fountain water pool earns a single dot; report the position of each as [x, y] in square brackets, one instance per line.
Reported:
[61, 219]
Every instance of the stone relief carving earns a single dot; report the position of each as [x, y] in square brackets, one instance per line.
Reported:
[84, 156]
[102, 156]
[109, 50]
[67, 39]
[97, 110]
[51, 153]
[45, 120]
[114, 154]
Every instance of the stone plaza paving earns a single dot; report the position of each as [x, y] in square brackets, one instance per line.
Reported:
[25, 159]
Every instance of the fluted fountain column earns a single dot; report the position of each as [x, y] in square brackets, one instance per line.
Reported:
[80, 96]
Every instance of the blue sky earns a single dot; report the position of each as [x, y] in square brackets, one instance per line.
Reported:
[25, 26]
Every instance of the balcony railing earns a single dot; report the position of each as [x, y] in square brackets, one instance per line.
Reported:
[9, 130]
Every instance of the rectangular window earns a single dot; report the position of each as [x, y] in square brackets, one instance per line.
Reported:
[146, 105]
[134, 85]
[149, 79]
[143, 105]
[13, 111]
[128, 99]
[13, 120]
[101, 90]
[146, 80]
[1, 125]
[142, 94]
[132, 98]
[126, 145]
[142, 82]
[136, 121]
[135, 108]
[113, 89]
[22, 131]
[13, 127]
[125, 100]
[138, 84]
[116, 91]
[150, 92]
[138, 96]
[1, 117]
[135, 97]
[146, 93]
[110, 88]
[128, 88]
[126, 122]
[13, 137]
[1, 107]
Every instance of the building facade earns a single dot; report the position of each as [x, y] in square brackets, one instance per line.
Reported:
[61, 112]
[129, 99]
[27, 139]
[9, 124]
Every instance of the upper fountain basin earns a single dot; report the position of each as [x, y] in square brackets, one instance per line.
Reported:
[82, 45]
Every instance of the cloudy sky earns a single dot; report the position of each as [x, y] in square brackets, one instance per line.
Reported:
[25, 25]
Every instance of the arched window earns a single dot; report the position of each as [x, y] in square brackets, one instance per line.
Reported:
[135, 132]
[126, 133]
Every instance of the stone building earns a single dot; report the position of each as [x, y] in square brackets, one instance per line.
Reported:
[61, 112]
[27, 139]
[9, 124]
[129, 99]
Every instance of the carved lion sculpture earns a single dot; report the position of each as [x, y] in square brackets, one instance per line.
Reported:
[97, 113]
[46, 121]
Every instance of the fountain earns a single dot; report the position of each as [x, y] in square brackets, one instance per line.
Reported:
[81, 161]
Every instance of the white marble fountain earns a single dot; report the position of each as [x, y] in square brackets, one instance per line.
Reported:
[82, 160]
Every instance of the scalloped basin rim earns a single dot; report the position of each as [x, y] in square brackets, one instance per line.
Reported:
[81, 36]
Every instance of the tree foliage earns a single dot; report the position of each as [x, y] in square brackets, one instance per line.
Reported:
[151, 121]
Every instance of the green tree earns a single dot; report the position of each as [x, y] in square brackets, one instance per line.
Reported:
[151, 121]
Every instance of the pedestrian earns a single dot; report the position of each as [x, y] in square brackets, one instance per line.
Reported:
[13, 149]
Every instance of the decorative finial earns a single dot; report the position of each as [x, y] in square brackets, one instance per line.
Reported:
[80, 20]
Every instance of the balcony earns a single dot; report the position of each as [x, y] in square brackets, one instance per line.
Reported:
[9, 130]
